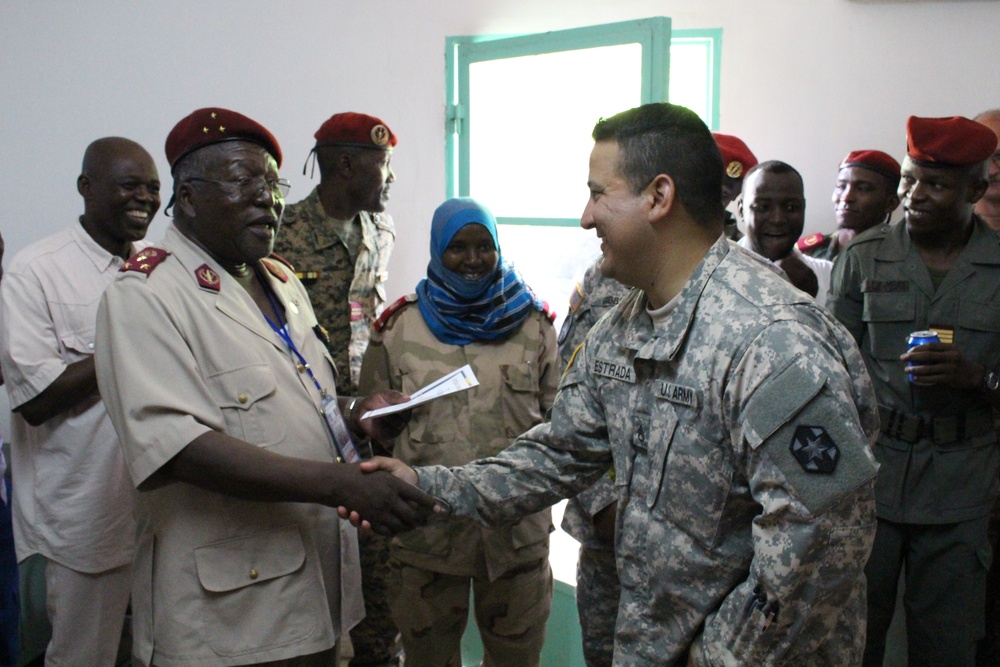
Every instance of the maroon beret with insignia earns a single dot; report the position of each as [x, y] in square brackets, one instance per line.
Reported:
[877, 161]
[213, 125]
[355, 129]
[954, 141]
[737, 159]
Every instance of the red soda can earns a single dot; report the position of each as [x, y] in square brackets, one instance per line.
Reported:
[920, 338]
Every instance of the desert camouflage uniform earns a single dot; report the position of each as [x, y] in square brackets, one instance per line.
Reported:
[346, 286]
[432, 567]
[344, 270]
[597, 585]
[739, 429]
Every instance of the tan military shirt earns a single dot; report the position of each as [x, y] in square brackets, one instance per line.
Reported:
[739, 431]
[220, 580]
[347, 292]
[517, 384]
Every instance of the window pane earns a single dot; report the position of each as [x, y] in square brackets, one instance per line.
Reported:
[530, 124]
[551, 259]
[691, 76]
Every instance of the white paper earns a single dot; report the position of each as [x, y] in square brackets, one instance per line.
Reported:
[458, 380]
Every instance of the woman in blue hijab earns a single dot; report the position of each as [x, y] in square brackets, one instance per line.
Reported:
[472, 308]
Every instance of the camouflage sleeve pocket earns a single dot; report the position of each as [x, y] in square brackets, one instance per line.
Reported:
[814, 440]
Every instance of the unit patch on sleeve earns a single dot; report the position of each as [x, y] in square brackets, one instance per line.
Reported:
[814, 449]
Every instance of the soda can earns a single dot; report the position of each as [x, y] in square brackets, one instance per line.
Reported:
[920, 338]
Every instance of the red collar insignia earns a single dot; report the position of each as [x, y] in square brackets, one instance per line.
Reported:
[207, 278]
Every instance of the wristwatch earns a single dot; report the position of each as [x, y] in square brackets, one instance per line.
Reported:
[991, 381]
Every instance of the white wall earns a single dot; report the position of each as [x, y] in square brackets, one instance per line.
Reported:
[805, 81]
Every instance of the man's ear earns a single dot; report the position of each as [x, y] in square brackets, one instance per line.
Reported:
[184, 200]
[83, 185]
[663, 194]
[978, 189]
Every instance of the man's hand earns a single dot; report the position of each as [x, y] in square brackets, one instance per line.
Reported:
[377, 499]
[380, 429]
[942, 363]
[395, 467]
[799, 274]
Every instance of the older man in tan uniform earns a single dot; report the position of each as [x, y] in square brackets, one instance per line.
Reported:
[221, 389]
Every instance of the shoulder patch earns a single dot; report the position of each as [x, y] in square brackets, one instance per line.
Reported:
[278, 258]
[811, 241]
[394, 308]
[274, 270]
[208, 279]
[576, 298]
[145, 261]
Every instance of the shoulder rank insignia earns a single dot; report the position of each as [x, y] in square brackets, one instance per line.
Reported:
[811, 241]
[270, 264]
[208, 279]
[814, 449]
[278, 258]
[396, 306]
[145, 261]
[549, 313]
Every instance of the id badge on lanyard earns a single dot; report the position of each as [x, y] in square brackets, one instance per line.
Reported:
[346, 450]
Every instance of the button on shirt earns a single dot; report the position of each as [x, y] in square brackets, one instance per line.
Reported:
[72, 499]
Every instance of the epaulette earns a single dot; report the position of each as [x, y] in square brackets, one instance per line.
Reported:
[395, 307]
[273, 269]
[145, 261]
[809, 242]
[876, 233]
[549, 313]
[281, 259]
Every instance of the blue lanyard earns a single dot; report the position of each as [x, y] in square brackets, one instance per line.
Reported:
[281, 328]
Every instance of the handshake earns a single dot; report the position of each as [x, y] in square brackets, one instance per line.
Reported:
[380, 494]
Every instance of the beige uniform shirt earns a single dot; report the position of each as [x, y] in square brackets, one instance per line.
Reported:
[517, 385]
[72, 496]
[220, 580]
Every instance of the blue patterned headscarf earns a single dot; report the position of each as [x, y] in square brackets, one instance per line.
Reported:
[460, 311]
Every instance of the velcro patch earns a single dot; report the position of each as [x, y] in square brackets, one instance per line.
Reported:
[793, 407]
[676, 393]
[613, 370]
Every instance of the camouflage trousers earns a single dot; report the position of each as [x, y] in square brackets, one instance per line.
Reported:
[432, 610]
[597, 594]
[374, 638]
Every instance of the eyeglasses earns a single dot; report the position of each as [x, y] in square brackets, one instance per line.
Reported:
[251, 187]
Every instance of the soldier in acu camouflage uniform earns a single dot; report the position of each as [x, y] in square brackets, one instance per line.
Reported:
[589, 517]
[339, 240]
[737, 414]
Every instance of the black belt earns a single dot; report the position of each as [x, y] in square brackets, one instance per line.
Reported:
[941, 430]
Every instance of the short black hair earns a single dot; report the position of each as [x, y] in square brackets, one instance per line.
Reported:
[663, 138]
[774, 167]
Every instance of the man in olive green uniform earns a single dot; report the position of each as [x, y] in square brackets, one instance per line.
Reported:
[863, 196]
[737, 415]
[339, 239]
[938, 268]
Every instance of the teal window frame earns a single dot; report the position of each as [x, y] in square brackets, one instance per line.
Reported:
[653, 34]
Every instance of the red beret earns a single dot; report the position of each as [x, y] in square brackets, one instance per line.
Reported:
[355, 129]
[737, 159]
[214, 125]
[954, 141]
[877, 161]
